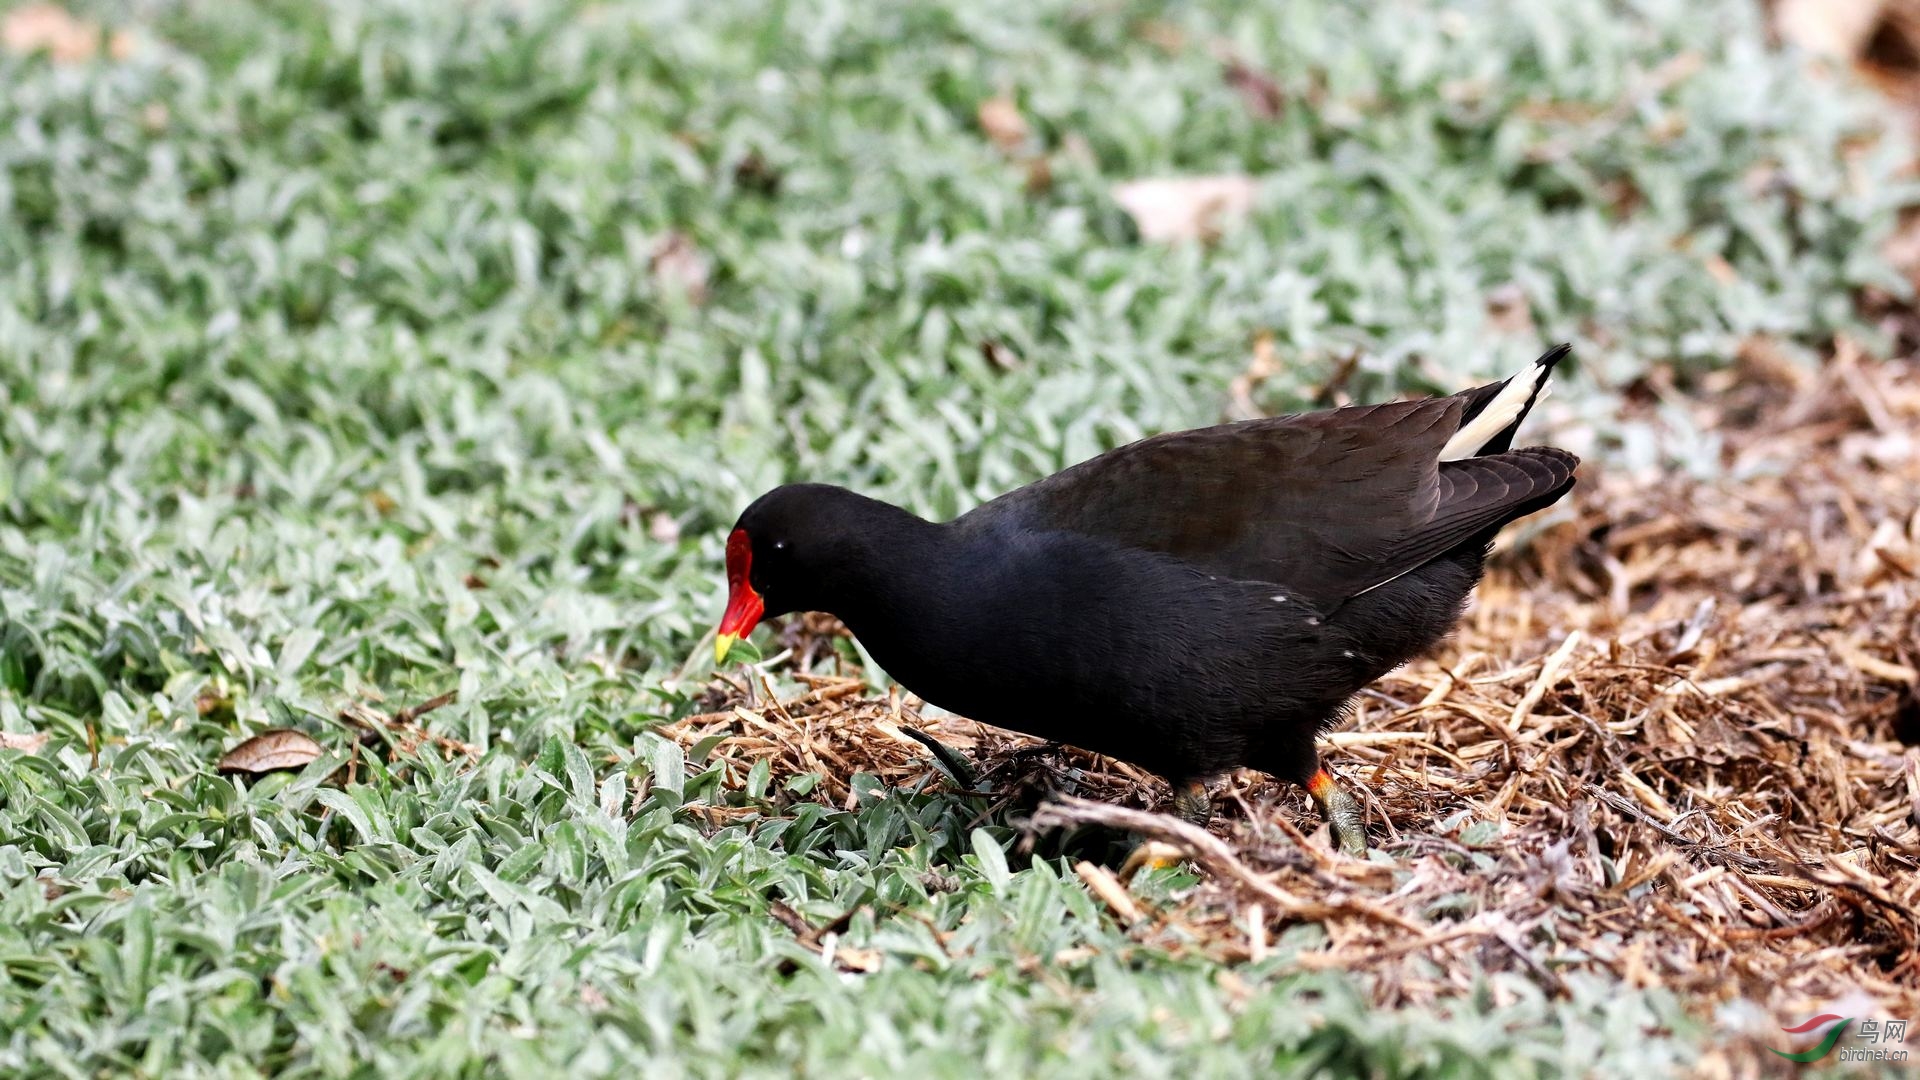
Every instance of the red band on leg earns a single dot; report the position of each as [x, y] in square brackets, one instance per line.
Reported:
[1321, 785]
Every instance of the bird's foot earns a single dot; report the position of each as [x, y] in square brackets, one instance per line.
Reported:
[1192, 804]
[1344, 819]
[1151, 855]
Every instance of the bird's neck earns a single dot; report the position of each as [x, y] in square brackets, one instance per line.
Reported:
[896, 570]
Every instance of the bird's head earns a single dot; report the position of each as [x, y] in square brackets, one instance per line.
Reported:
[791, 551]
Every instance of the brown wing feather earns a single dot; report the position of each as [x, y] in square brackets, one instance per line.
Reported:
[1316, 502]
[1325, 504]
[1480, 494]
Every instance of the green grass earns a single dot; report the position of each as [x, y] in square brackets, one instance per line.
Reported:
[307, 314]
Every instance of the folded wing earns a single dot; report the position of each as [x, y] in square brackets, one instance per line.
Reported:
[1325, 505]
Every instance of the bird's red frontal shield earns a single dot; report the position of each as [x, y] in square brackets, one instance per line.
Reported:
[744, 606]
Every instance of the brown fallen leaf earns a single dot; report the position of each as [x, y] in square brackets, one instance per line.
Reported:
[27, 742]
[1258, 92]
[662, 528]
[1001, 356]
[1175, 208]
[1162, 35]
[1003, 124]
[1333, 392]
[824, 940]
[1039, 176]
[1263, 366]
[271, 751]
[1839, 28]
[679, 267]
[1508, 311]
[414, 712]
[755, 173]
[406, 725]
[51, 29]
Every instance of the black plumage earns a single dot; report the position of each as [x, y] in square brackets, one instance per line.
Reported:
[1192, 602]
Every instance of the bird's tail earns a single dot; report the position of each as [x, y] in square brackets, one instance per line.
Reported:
[1494, 411]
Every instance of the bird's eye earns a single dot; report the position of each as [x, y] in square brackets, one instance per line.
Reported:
[779, 545]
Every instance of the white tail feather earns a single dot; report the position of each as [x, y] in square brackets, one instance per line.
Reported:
[1514, 399]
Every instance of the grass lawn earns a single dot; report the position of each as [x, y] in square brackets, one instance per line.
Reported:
[356, 354]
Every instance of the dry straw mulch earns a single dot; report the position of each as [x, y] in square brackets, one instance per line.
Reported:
[1670, 743]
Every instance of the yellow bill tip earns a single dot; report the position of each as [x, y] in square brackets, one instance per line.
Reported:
[723, 645]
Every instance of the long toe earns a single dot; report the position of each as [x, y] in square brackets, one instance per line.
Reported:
[1151, 855]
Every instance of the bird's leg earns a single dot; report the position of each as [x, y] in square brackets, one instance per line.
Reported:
[1343, 815]
[1190, 802]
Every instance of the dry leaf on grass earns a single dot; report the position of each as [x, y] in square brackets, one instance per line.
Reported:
[1175, 208]
[663, 528]
[679, 267]
[52, 29]
[825, 941]
[755, 173]
[1838, 28]
[1508, 311]
[1003, 124]
[1000, 355]
[1162, 35]
[1039, 176]
[1262, 96]
[271, 751]
[1263, 366]
[409, 735]
[27, 742]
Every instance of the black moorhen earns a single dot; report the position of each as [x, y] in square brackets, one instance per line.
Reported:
[1192, 602]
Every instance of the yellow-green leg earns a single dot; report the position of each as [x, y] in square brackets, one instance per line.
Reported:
[1343, 815]
[1190, 803]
